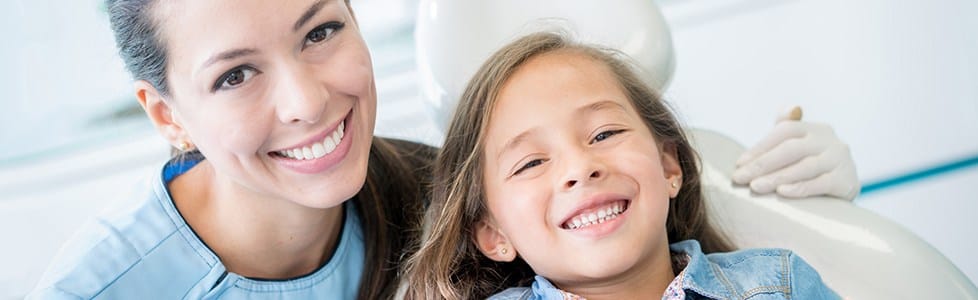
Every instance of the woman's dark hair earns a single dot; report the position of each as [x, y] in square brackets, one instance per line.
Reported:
[138, 38]
[390, 203]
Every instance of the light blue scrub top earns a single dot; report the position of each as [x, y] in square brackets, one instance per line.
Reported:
[146, 250]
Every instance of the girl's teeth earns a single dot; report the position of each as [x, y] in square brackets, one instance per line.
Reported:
[598, 217]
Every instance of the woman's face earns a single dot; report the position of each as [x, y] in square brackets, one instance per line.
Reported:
[278, 95]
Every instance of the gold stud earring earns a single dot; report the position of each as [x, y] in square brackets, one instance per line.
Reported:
[184, 146]
[504, 251]
[674, 184]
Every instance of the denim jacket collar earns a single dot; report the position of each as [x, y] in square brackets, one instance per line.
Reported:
[734, 275]
[701, 275]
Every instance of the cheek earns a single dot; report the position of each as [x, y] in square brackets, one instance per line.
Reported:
[350, 71]
[235, 129]
[644, 166]
[519, 210]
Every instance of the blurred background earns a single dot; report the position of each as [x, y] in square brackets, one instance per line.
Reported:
[897, 79]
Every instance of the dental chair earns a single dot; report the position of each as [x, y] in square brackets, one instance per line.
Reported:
[858, 253]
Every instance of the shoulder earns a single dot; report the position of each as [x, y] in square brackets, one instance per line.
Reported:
[759, 273]
[515, 293]
[770, 272]
[121, 248]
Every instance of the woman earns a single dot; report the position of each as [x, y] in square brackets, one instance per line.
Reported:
[279, 98]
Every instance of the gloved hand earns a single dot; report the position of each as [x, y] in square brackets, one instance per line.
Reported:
[799, 159]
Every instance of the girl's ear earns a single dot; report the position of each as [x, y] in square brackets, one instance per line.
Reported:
[493, 243]
[160, 114]
[671, 169]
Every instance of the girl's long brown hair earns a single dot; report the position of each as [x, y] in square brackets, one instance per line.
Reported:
[448, 264]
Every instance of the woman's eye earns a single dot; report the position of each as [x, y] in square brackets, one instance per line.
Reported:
[528, 165]
[322, 33]
[235, 77]
[605, 135]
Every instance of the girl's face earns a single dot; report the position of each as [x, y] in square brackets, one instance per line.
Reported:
[278, 95]
[575, 181]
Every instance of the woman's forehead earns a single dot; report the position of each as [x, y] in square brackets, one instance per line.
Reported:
[195, 31]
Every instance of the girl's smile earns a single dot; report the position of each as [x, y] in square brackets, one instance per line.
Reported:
[597, 216]
[590, 217]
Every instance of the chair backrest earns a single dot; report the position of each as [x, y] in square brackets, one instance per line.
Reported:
[858, 253]
[454, 37]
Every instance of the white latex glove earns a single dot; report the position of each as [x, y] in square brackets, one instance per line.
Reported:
[799, 159]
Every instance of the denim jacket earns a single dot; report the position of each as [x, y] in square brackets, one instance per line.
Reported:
[742, 274]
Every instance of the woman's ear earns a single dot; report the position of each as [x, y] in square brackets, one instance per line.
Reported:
[492, 242]
[671, 168]
[160, 113]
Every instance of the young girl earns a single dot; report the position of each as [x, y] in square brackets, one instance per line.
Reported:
[566, 177]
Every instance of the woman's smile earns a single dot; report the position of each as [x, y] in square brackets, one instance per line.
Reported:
[320, 152]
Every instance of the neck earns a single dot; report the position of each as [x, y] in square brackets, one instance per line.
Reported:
[255, 236]
[647, 280]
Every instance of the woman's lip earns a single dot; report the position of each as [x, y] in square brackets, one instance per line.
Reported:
[318, 137]
[326, 162]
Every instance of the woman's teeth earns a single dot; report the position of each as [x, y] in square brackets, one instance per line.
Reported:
[319, 149]
[595, 217]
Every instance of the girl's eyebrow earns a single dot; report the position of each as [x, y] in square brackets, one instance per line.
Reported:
[600, 105]
[516, 141]
[592, 107]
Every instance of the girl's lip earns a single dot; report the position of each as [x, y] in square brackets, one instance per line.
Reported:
[592, 202]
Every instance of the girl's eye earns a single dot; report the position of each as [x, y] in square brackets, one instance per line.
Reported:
[528, 165]
[234, 77]
[322, 33]
[605, 135]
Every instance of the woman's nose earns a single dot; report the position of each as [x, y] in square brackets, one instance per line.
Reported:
[300, 97]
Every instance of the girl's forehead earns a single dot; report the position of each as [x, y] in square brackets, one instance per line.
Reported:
[553, 91]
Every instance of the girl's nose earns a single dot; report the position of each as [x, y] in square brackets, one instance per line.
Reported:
[575, 181]
[582, 169]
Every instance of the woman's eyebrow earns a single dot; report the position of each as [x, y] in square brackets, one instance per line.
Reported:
[228, 55]
[311, 12]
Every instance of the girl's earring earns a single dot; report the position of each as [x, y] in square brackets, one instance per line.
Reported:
[504, 251]
[675, 185]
